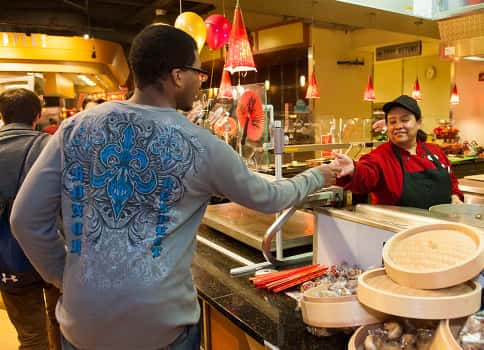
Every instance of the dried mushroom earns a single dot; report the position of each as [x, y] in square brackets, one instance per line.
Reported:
[401, 334]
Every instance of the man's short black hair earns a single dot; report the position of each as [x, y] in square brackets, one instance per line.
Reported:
[85, 101]
[156, 50]
[19, 106]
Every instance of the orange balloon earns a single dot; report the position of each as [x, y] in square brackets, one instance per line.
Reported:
[194, 25]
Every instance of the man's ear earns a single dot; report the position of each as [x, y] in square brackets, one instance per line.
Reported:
[177, 77]
[37, 119]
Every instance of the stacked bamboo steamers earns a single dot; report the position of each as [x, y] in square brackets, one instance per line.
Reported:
[428, 274]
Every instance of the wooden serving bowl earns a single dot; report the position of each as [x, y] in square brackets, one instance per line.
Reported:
[336, 312]
[434, 256]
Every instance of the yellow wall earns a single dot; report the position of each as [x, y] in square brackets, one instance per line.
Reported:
[396, 77]
[388, 80]
[469, 113]
[435, 91]
[341, 86]
[285, 35]
[65, 86]
[370, 38]
[57, 84]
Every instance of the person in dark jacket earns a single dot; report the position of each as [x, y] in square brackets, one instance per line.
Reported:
[29, 301]
[404, 171]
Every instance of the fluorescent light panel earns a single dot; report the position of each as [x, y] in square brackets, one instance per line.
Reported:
[86, 80]
[474, 58]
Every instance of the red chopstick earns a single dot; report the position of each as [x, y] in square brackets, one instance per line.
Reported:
[296, 277]
[295, 283]
[281, 280]
[274, 276]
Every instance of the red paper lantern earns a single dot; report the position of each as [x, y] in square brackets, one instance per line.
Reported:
[225, 90]
[218, 31]
[416, 91]
[369, 91]
[313, 90]
[239, 54]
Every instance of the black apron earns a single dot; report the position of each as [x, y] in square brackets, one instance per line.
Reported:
[423, 189]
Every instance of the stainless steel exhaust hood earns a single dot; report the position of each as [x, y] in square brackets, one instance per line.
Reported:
[463, 37]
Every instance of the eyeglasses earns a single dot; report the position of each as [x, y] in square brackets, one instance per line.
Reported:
[202, 73]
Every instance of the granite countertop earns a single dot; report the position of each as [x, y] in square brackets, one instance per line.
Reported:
[267, 317]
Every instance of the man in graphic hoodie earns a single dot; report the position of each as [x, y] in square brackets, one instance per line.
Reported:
[133, 180]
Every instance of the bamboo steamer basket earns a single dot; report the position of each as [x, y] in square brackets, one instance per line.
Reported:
[358, 338]
[434, 256]
[447, 332]
[377, 291]
[336, 312]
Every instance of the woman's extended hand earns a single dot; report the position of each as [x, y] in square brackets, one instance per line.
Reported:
[344, 164]
[379, 126]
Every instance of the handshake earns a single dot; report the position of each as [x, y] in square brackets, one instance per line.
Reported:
[342, 165]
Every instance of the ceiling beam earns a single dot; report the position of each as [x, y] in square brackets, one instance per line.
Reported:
[334, 12]
[62, 23]
[122, 2]
[76, 5]
[148, 11]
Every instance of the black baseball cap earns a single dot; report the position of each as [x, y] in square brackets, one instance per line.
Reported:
[406, 102]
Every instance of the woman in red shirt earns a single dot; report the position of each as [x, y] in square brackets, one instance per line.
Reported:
[405, 171]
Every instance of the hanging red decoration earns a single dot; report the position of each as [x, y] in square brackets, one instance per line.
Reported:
[225, 90]
[313, 90]
[239, 54]
[369, 91]
[250, 114]
[416, 94]
[454, 97]
[218, 31]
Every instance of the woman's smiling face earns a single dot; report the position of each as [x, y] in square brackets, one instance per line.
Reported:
[402, 127]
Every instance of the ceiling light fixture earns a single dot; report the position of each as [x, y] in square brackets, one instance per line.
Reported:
[302, 81]
[239, 54]
[86, 80]
[43, 40]
[369, 89]
[313, 91]
[454, 96]
[416, 94]
[225, 90]
[474, 58]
